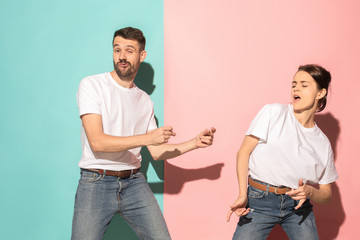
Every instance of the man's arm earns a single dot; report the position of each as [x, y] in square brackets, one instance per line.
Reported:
[167, 151]
[101, 142]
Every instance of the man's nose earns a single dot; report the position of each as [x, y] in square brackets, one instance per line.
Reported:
[122, 55]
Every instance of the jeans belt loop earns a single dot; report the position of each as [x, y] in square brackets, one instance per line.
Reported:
[104, 174]
[276, 191]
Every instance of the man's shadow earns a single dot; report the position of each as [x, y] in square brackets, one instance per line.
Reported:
[176, 176]
[329, 217]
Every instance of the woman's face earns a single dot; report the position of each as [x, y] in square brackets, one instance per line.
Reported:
[305, 93]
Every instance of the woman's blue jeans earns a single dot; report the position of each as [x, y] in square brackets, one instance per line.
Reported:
[99, 198]
[269, 209]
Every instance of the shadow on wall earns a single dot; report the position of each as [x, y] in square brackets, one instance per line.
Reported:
[118, 228]
[329, 217]
[176, 177]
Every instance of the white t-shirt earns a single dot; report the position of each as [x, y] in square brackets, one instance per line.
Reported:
[287, 151]
[124, 112]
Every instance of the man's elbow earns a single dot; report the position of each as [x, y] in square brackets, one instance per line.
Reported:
[154, 153]
[156, 157]
[96, 146]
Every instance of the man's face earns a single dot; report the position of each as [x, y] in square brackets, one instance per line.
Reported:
[127, 57]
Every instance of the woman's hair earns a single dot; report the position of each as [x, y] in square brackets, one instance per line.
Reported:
[322, 77]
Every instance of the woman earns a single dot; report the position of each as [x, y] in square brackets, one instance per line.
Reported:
[285, 153]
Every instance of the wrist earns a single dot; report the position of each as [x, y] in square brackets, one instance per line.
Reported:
[148, 140]
[242, 194]
[311, 192]
[194, 144]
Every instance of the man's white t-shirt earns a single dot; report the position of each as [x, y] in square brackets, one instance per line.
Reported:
[124, 112]
[287, 151]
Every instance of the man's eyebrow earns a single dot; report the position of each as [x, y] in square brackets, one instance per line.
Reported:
[128, 46]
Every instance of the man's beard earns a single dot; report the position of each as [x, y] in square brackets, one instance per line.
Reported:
[126, 74]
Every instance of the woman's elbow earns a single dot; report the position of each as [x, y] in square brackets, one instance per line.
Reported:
[327, 199]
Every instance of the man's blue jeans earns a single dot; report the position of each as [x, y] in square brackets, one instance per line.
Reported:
[99, 198]
[268, 209]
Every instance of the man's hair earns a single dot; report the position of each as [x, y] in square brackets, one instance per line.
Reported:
[132, 34]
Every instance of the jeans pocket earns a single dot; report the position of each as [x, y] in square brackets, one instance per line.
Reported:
[90, 176]
[255, 193]
[138, 175]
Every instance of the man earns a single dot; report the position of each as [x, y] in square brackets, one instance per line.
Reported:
[118, 119]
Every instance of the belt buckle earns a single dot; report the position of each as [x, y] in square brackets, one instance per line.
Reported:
[276, 191]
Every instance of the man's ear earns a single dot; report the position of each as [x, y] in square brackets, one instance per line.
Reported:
[143, 55]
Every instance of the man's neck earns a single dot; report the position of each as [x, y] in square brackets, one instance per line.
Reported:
[126, 83]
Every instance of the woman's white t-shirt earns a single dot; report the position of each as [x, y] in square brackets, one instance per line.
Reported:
[287, 151]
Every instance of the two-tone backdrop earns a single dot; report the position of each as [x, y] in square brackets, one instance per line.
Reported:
[209, 63]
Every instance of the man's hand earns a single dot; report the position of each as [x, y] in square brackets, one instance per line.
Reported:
[161, 135]
[302, 193]
[239, 207]
[205, 138]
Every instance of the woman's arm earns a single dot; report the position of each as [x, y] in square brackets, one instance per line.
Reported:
[305, 191]
[242, 166]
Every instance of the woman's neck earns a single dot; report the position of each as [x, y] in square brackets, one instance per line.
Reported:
[306, 118]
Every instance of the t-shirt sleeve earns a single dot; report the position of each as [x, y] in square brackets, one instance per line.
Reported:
[152, 124]
[330, 174]
[88, 98]
[259, 127]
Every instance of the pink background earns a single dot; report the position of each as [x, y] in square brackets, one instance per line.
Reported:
[223, 61]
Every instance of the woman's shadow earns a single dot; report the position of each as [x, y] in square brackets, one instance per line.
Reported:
[329, 217]
[118, 228]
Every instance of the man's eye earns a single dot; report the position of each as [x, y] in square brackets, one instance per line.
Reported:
[304, 85]
[293, 86]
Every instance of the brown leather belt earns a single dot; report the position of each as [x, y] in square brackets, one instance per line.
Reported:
[264, 187]
[119, 174]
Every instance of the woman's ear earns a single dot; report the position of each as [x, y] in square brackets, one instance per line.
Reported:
[321, 94]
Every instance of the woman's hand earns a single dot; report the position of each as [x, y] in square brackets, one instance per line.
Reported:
[239, 207]
[300, 194]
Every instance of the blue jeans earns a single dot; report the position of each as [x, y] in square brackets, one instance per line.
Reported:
[99, 198]
[268, 209]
